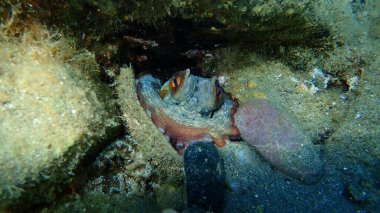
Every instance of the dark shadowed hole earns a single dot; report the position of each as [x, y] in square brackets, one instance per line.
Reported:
[182, 45]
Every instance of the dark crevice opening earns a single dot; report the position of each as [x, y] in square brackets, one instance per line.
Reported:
[183, 45]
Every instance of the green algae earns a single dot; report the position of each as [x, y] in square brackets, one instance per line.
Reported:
[51, 114]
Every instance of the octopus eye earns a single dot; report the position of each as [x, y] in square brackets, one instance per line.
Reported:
[176, 82]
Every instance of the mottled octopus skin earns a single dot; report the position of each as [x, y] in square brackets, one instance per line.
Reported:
[279, 140]
[182, 122]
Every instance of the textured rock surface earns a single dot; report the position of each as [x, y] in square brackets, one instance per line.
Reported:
[269, 22]
[118, 169]
[251, 77]
[51, 114]
[97, 202]
[204, 171]
[120, 173]
[357, 140]
[154, 149]
[279, 140]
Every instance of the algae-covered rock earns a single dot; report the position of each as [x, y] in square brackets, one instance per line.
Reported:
[317, 108]
[52, 114]
[169, 196]
[270, 22]
[151, 144]
[98, 202]
[118, 170]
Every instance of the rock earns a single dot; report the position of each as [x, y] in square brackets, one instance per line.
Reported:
[121, 170]
[51, 114]
[279, 140]
[99, 202]
[152, 148]
[169, 197]
[118, 170]
[276, 22]
[354, 148]
[204, 176]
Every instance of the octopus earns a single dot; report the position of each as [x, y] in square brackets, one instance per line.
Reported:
[189, 108]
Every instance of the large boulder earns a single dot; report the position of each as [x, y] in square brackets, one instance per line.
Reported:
[52, 114]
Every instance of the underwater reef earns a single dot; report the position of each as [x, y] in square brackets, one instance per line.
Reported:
[289, 88]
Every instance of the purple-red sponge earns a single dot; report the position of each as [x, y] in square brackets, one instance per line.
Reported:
[279, 140]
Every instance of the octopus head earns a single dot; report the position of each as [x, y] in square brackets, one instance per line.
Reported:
[197, 94]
